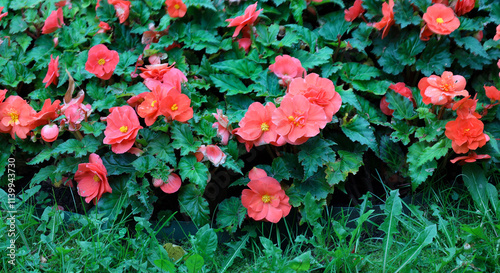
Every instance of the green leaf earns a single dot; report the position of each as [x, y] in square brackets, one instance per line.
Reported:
[410, 48]
[335, 26]
[235, 249]
[117, 164]
[42, 175]
[17, 24]
[230, 84]
[267, 85]
[41, 157]
[194, 263]
[378, 87]
[436, 151]
[472, 45]
[472, 24]
[424, 238]
[311, 60]
[404, 14]
[196, 172]
[159, 147]
[476, 183]
[391, 154]
[88, 144]
[390, 62]
[200, 3]
[183, 138]
[243, 68]
[301, 262]
[205, 242]
[267, 34]
[145, 164]
[361, 37]
[356, 71]
[192, 203]
[359, 130]
[94, 128]
[435, 57]
[237, 106]
[347, 162]
[106, 12]
[421, 4]
[315, 153]
[164, 265]
[312, 209]
[280, 169]
[392, 209]
[402, 106]
[231, 214]
[298, 7]
[126, 59]
[419, 172]
[402, 131]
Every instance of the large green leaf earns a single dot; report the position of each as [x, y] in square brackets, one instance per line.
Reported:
[314, 154]
[356, 71]
[392, 209]
[230, 84]
[183, 138]
[231, 214]
[402, 106]
[347, 163]
[435, 57]
[409, 48]
[359, 130]
[243, 68]
[193, 204]
[205, 242]
[193, 170]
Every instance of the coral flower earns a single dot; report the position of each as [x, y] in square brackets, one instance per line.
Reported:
[466, 108]
[441, 19]
[287, 68]
[92, 179]
[102, 61]
[53, 72]
[223, 126]
[53, 22]
[441, 90]
[265, 200]
[103, 27]
[122, 9]
[3, 92]
[246, 19]
[50, 132]
[466, 134]
[471, 157]
[50, 111]
[297, 119]
[388, 19]
[399, 88]
[492, 93]
[16, 117]
[176, 106]
[355, 11]
[75, 112]
[121, 131]
[173, 183]
[319, 91]
[464, 6]
[2, 15]
[176, 8]
[497, 35]
[212, 153]
[257, 125]
[150, 106]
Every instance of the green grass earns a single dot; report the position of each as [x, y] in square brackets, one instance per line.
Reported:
[447, 232]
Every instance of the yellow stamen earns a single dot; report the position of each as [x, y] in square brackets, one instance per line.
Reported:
[264, 127]
[14, 117]
[174, 107]
[101, 61]
[290, 118]
[439, 20]
[153, 103]
[96, 178]
[124, 129]
[266, 198]
[467, 130]
[176, 6]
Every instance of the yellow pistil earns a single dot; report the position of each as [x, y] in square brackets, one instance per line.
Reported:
[101, 61]
[445, 87]
[96, 178]
[439, 20]
[467, 130]
[124, 129]
[153, 103]
[266, 198]
[176, 6]
[264, 127]
[174, 107]
[14, 117]
[291, 118]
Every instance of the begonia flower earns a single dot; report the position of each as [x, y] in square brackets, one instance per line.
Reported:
[425, 33]
[257, 125]
[471, 157]
[2, 15]
[121, 131]
[441, 90]
[466, 134]
[355, 11]
[497, 35]
[50, 132]
[464, 6]
[213, 154]
[92, 179]
[75, 112]
[149, 108]
[319, 91]
[64, 3]
[102, 61]
[246, 19]
[401, 89]
[53, 72]
[50, 111]
[492, 93]
[103, 27]
[256, 173]
[245, 43]
[53, 22]
[3, 92]
[176, 8]
[466, 108]
[297, 119]
[265, 200]
[441, 19]
[176, 106]
[16, 117]
[122, 9]
[172, 185]
[287, 68]
[388, 19]
[223, 127]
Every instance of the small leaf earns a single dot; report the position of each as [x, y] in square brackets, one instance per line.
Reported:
[402, 106]
[196, 172]
[359, 130]
[230, 84]
[193, 204]
[231, 214]
[194, 263]
[183, 138]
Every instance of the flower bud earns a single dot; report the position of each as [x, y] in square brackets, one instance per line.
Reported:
[50, 132]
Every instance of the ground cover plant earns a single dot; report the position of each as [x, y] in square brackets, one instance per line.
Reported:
[254, 121]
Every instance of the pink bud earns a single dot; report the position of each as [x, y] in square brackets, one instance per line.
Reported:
[56, 41]
[50, 132]
[173, 184]
[157, 182]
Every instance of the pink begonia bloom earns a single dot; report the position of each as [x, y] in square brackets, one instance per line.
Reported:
[103, 27]
[121, 131]
[50, 111]
[53, 22]
[244, 20]
[441, 90]
[257, 126]
[256, 173]
[471, 157]
[297, 119]
[101, 61]
[464, 6]
[75, 112]
[2, 15]
[492, 93]
[466, 108]
[213, 153]
[497, 35]
[319, 91]
[223, 127]
[173, 183]
[16, 117]
[388, 20]
[355, 11]
[92, 179]
[441, 19]
[287, 68]
[53, 72]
